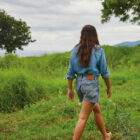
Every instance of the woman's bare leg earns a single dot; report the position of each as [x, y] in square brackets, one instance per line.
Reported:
[100, 123]
[86, 109]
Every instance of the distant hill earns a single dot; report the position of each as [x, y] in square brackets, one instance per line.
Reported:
[128, 43]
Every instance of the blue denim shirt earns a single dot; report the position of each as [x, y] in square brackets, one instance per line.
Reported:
[96, 67]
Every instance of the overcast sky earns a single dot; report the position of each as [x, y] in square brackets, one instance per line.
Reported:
[56, 24]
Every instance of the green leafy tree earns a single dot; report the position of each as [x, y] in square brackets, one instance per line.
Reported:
[126, 10]
[14, 34]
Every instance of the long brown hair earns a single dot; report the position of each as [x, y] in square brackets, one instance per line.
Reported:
[88, 40]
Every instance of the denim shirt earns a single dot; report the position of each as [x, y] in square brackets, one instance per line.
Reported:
[96, 66]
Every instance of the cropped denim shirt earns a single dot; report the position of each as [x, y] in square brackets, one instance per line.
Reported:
[96, 66]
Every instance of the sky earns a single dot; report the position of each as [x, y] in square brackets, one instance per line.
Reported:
[56, 24]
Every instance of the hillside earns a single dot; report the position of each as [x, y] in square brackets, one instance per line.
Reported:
[34, 104]
[128, 43]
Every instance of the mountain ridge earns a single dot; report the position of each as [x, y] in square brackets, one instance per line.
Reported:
[128, 43]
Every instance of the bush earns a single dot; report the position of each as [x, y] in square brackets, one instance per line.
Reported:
[10, 61]
[17, 90]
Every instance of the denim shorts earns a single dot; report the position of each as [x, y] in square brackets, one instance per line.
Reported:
[87, 89]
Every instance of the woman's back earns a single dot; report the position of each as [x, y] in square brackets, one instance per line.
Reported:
[96, 66]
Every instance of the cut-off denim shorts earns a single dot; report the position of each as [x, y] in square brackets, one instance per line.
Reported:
[87, 89]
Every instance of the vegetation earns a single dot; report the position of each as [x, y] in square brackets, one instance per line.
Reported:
[34, 103]
[124, 9]
[13, 33]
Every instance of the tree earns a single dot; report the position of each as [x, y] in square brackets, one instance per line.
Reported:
[13, 33]
[126, 10]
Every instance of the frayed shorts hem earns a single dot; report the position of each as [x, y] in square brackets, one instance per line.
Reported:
[88, 101]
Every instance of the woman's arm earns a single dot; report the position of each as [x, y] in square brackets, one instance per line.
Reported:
[70, 76]
[103, 65]
[107, 81]
[70, 91]
[70, 84]
[104, 72]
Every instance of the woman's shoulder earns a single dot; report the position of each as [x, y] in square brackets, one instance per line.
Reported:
[97, 51]
[98, 47]
[74, 49]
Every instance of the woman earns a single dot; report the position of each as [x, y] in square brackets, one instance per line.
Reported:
[88, 60]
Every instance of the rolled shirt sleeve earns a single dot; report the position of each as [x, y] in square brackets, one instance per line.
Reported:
[70, 73]
[103, 66]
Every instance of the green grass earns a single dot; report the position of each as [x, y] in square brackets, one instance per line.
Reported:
[47, 114]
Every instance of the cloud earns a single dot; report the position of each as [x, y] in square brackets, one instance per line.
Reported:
[56, 25]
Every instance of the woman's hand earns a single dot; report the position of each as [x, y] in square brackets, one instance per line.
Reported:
[70, 95]
[108, 91]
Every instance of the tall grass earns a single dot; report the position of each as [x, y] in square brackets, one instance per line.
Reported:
[20, 85]
[34, 104]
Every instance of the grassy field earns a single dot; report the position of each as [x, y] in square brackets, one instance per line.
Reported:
[34, 104]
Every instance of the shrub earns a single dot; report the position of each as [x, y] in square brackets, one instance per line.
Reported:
[10, 61]
[17, 90]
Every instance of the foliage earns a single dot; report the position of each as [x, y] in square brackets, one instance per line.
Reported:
[124, 9]
[34, 91]
[10, 61]
[17, 90]
[13, 33]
